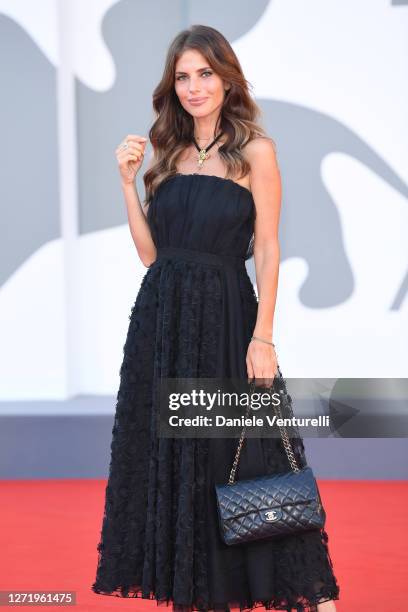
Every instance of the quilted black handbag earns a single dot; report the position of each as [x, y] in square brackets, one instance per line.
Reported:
[271, 505]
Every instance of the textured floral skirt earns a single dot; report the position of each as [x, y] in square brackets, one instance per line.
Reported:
[160, 535]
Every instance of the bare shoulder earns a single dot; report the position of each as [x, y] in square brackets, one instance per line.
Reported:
[259, 148]
[261, 155]
[266, 187]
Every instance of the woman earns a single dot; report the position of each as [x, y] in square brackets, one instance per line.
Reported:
[213, 194]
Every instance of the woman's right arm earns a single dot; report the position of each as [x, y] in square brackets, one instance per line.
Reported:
[130, 160]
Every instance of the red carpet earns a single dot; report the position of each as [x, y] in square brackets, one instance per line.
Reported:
[50, 531]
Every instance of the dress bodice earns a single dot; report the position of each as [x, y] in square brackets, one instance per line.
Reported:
[203, 212]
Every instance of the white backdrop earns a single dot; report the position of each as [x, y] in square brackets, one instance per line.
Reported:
[64, 309]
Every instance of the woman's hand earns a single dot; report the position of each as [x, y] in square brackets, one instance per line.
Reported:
[130, 155]
[262, 362]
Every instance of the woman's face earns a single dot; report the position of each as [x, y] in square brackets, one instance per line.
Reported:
[195, 79]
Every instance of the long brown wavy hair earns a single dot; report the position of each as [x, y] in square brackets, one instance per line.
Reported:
[173, 128]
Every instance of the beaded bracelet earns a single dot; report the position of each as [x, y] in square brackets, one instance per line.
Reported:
[262, 340]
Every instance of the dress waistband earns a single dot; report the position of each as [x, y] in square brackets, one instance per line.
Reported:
[200, 256]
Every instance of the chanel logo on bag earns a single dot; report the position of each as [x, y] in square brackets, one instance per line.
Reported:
[272, 515]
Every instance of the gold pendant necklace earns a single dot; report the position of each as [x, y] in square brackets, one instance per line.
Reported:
[203, 152]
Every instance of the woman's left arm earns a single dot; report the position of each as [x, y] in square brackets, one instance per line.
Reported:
[266, 188]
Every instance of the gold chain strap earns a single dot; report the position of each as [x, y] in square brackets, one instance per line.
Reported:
[285, 439]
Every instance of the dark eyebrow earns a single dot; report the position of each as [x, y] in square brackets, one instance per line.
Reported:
[199, 70]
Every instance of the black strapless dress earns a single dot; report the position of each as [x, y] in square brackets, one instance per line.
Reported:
[193, 316]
